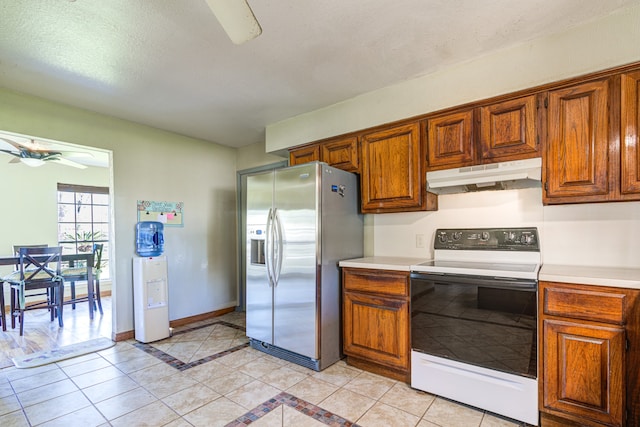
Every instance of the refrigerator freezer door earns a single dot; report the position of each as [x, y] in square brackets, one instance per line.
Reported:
[259, 291]
[295, 317]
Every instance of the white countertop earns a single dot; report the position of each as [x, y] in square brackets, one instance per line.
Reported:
[383, 262]
[618, 277]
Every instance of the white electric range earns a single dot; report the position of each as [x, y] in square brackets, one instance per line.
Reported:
[474, 320]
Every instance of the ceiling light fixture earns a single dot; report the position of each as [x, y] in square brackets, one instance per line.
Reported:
[237, 19]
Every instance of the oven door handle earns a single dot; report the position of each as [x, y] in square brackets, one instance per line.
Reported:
[487, 282]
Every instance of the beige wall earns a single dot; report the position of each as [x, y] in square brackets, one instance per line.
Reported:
[149, 164]
[254, 155]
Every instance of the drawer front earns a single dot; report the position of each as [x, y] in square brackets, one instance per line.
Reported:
[382, 282]
[580, 303]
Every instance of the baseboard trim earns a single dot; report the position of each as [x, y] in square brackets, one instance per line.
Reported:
[123, 336]
[127, 335]
[200, 317]
[403, 375]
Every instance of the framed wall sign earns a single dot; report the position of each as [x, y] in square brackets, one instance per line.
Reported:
[168, 213]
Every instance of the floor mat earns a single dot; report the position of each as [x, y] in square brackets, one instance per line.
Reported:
[55, 355]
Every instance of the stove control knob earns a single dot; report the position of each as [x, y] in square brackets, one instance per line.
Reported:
[457, 235]
[484, 236]
[526, 239]
[442, 238]
[510, 237]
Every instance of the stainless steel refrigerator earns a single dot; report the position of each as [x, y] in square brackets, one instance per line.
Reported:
[301, 221]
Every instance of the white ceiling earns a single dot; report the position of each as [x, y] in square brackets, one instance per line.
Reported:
[168, 63]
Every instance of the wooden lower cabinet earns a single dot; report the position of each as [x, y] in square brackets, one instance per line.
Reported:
[583, 370]
[588, 373]
[376, 321]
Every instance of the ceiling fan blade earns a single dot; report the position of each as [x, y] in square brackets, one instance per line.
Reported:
[237, 19]
[10, 152]
[15, 160]
[11, 146]
[68, 162]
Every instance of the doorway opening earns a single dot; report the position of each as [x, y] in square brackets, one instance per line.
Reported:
[33, 218]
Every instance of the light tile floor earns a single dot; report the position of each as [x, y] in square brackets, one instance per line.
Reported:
[206, 375]
[42, 334]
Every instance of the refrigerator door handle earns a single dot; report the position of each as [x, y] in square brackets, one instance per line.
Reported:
[279, 247]
[268, 259]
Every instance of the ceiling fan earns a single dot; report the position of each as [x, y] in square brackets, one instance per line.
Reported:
[237, 19]
[36, 154]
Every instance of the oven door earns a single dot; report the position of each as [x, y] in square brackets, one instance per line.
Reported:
[484, 321]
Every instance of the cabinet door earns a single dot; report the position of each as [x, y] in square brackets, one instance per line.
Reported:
[342, 154]
[376, 328]
[630, 134]
[577, 152]
[582, 371]
[450, 140]
[392, 170]
[302, 155]
[508, 130]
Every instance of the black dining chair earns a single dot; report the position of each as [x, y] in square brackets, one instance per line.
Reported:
[16, 251]
[38, 277]
[73, 273]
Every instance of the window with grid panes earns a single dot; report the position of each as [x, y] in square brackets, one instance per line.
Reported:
[83, 219]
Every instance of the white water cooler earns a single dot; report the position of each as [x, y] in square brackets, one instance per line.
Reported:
[150, 298]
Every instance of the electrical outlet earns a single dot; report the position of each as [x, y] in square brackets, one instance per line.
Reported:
[419, 240]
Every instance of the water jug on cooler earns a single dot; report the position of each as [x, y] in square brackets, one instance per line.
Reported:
[149, 238]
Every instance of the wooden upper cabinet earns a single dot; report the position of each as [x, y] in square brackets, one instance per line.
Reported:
[392, 175]
[630, 134]
[306, 154]
[341, 153]
[450, 140]
[577, 152]
[508, 130]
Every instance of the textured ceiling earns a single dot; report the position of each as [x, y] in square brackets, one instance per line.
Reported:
[168, 63]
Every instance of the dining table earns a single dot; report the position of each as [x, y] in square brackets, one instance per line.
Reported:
[73, 260]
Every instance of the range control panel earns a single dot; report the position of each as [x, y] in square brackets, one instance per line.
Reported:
[494, 239]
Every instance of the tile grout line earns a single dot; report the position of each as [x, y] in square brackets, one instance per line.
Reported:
[179, 364]
[285, 399]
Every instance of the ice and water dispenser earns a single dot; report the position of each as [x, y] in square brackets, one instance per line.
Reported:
[257, 248]
[150, 290]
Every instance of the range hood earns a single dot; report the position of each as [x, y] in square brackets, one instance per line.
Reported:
[495, 176]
